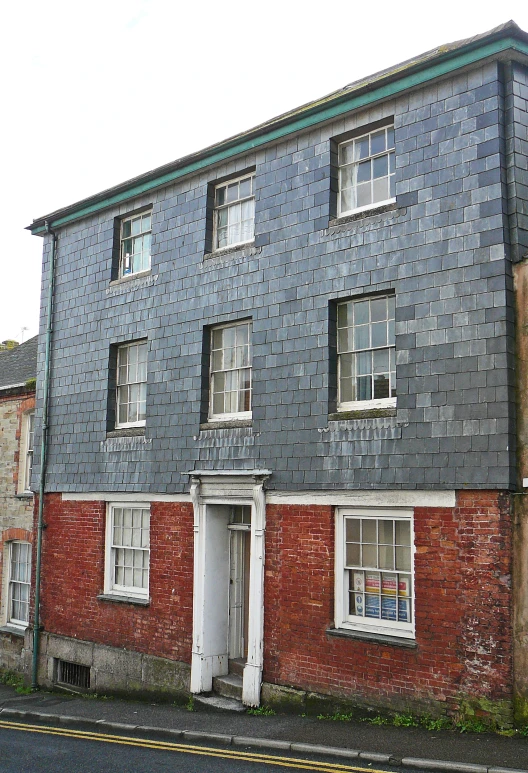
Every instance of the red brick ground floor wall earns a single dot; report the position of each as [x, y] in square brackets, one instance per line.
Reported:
[462, 607]
[462, 600]
[73, 559]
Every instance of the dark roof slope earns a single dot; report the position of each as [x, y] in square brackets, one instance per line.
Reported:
[18, 365]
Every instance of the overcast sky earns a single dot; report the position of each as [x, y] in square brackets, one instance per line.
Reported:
[96, 93]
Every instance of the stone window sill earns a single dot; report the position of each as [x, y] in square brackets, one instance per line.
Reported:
[123, 599]
[25, 495]
[352, 218]
[226, 251]
[376, 638]
[230, 424]
[126, 432]
[13, 630]
[369, 413]
[130, 278]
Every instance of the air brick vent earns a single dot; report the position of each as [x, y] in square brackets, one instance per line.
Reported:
[73, 675]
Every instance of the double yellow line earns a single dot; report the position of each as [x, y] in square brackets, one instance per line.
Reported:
[227, 754]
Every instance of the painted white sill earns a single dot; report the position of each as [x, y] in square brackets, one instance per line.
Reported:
[367, 208]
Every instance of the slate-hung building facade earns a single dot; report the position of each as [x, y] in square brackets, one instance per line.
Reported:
[282, 407]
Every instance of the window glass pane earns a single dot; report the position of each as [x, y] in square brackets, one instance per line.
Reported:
[343, 318]
[347, 390]
[380, 167]
[363, 363]
[347, 199]
[126, 229]
[353, 555]
[364, 194]
[369, 530]
[232, 192]
[378, 309]
[380, 189]
[364, 171]
[379, 334]
[403, 533]
[361, 337]
[347, 365]
[386, 532]
[346, 153]
[390, 137]
[403, 559]
[245, 188]
[353, 530]
[377, 142]
[344, 340]
[386, 557]
[361, 148]
[381, 361]
[364, 388]
[220, 195]
[381, 387]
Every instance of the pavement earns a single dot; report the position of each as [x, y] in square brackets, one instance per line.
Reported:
[350, 742]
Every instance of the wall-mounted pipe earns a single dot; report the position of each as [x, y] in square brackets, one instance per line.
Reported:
[43, 452]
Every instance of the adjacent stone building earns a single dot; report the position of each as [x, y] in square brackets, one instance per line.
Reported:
[282, 415]
[18, 370]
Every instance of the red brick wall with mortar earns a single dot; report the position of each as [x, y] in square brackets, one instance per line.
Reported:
[463, 608]
[73, 576]
[463, 599]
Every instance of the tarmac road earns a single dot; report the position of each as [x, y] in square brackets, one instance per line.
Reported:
[30, 748]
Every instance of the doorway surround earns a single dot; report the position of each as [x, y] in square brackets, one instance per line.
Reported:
[210, 492]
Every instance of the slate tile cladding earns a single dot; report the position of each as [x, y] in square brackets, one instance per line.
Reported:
[442, 250]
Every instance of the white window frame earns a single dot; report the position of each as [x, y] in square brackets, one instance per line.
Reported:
[353, 165]
[227, 206]
[111, 587]
[373, 403]
[212, 371]
[126, 259]
[11, 583]
[121, 387]
[27, 441]
[343, 618]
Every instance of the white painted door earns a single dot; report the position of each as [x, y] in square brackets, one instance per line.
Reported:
[238, 593]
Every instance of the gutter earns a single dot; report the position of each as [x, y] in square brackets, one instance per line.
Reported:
[385, 85]
[43, 454]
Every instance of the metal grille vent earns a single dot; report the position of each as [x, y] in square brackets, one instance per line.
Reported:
[73, 674]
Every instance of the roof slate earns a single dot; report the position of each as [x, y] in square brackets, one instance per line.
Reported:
[19, 364]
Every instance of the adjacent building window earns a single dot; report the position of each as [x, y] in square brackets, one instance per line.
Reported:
[374, 572]
[128, 550]
[230, 388]
[366, 171]
[134, 250]
[366, 353]
[234, 212]
[19, 583]
[131, 385]
[27, 442]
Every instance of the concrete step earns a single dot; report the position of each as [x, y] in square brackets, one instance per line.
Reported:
[230, 686]
[217, 703]
[236, 666]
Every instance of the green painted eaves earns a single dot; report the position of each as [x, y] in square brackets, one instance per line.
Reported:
[396, 82]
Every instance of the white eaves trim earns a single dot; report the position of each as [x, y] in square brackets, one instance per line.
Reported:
[333, 498]
[365, 498]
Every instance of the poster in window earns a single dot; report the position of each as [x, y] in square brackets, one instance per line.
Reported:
[359, 584]
[359, 604]
[404, 610]
[372, 606]
[388, 608]
[372, 582]
[389, 584]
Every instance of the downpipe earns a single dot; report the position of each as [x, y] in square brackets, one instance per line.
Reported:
[43, 454]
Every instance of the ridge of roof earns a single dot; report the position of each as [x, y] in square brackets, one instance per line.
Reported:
[162, 174]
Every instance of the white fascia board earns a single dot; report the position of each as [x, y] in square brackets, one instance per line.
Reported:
[116, 496]
[333, 498]
[364, 498]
